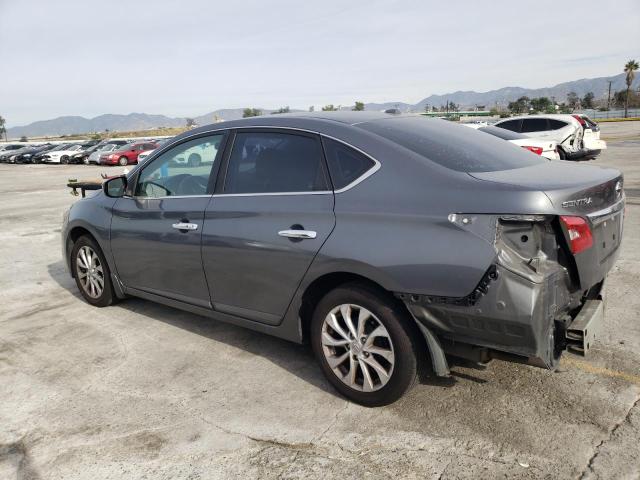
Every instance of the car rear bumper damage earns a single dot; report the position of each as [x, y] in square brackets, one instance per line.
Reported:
[528, 307]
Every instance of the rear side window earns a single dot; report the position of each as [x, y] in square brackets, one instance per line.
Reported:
[345, 164]
[534, 125]
[273, 162]
[556, 124]
[455, 147]
[513, 125]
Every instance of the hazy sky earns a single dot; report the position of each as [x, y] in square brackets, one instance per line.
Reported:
[187, 58]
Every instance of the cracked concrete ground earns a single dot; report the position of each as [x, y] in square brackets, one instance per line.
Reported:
[140, 390]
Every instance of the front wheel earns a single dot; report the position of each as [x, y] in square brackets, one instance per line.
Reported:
[366, 344]
[64, 160]
[123, 161]
[91, 272]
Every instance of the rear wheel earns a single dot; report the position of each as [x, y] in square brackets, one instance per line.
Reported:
[64, 160]
[91, 272]
[563, 156]
[365, 344]
[123, 161]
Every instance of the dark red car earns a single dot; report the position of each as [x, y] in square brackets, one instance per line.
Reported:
[126, 154]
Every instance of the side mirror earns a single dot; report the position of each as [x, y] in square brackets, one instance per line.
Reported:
[115, 187]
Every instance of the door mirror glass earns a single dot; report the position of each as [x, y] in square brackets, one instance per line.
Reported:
[115, 187]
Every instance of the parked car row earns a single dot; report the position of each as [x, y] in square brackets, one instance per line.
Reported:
[106, 152]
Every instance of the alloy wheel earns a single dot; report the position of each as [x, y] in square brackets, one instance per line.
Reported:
[357, 347]
[90, 272]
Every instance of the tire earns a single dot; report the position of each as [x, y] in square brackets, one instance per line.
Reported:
[562, 155]
[123, 161]
[396, 353]
[100, 272]
[64, 160]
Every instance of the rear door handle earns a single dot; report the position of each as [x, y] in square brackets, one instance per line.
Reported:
[185, 226]
[302, 234]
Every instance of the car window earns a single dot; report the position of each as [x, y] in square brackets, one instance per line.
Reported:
[270, 162]
[183, 170]
[556, 124]
[534, 125]
[345, 163]
[513, 125]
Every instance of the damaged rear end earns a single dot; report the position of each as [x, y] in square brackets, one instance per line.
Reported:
[542, 293]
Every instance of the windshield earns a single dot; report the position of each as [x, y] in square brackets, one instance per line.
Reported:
[452, 146]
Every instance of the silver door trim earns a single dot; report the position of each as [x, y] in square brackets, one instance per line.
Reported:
[185, 226]
[302, 234]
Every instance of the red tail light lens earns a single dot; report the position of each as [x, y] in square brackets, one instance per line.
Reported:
[536, 150]
[579, 233]
[580, 119]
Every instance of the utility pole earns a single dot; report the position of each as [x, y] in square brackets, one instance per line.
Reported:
[609, 97]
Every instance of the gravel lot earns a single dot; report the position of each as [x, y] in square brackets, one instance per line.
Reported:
[140, 390]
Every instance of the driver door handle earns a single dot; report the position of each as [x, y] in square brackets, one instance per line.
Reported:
[297, 233]
[185, 226]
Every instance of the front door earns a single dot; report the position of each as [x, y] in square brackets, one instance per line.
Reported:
[263, 230]
[156, 231]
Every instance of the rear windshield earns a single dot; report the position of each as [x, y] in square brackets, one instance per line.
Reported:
[453, 146]
[502, 133]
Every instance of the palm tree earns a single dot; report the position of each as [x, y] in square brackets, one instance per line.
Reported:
[630, 69]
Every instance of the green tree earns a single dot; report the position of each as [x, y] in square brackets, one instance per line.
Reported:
[190, 122]
[587, 100]
[329, 108]
[630, 69]
[251, 112]
[358, 107]
[521, 105]
[573, 101]
[281, 110]
[3, 130]
[542, 104]
[24, 138]
[621, 98]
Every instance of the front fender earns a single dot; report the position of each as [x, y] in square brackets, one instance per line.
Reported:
[92, 214]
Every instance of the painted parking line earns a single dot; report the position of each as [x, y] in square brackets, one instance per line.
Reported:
[605, 372]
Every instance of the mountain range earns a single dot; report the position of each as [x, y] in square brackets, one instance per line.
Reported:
[141, 121]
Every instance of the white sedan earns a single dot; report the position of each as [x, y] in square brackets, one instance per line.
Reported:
[539, 146]
[61, 156]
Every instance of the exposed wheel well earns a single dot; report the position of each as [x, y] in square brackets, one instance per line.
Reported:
[323, 285]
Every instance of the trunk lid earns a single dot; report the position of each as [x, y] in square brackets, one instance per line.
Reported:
[573, 189]
[592, 192]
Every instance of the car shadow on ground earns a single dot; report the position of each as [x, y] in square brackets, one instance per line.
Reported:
[294, 358]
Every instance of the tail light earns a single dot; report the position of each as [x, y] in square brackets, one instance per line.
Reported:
[580, 119]
[536, 150]
[579, 233]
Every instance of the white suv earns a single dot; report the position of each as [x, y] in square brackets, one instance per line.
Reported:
[567, 130]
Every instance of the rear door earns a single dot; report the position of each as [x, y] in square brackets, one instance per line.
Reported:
[266, 223]
[156, 229]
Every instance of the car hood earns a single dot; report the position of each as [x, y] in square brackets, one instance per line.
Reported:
[572, 188]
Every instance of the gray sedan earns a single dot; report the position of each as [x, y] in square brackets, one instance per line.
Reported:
[382, 240]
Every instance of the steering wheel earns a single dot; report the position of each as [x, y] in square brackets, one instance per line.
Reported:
[192, 185]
